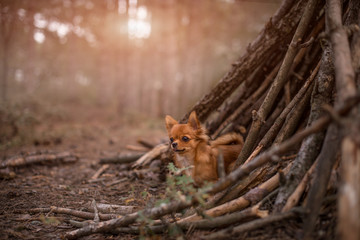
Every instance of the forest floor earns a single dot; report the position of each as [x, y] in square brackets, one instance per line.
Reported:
[69, 185]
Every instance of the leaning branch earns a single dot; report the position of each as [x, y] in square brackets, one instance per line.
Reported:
[262, 47]
[277, 85]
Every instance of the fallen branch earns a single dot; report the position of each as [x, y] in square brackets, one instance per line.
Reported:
[100, 171]
[154, 153]
[112, 208]
[21, 161]
[140, 174]
[146, 143]
[137, 148]
[96, 211]
[75, 213]
[121, 158]
[152, 213]
[7, 174]
[249, 226]
[217, 222]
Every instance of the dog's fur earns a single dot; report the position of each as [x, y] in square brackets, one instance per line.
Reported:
[196, 153]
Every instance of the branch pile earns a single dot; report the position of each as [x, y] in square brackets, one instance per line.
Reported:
[295, 96]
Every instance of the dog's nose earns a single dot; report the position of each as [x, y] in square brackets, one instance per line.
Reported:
[174, 144]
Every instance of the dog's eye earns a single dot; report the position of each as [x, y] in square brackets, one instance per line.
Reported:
[171, 139]
[185, 138]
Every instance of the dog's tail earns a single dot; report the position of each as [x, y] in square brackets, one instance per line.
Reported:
[228, 139]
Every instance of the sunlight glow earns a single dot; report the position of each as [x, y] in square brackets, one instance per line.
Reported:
[40, 21]
[122, 6]
[139, 25]
[142, 13]
[39, 37]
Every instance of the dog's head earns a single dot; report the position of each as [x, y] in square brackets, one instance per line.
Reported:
[184, 137]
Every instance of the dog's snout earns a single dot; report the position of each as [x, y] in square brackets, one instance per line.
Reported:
[174, 144]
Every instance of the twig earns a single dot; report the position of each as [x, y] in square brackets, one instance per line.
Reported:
[96, 212]
[154, 153]
[216, 222]
[146, 143]
[7, 174]
[280, 120]
[152, 213]
[293, 118]
[113, 208]
[116, 182]
[295, 196]
[137, 148]
[100, 171]
[68, 211]
[249, 226]
[121, 158]
[307, 44]
[80, 224]
[327, 158]
[220, 165]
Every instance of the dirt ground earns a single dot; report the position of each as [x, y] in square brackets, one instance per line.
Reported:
[70, 186]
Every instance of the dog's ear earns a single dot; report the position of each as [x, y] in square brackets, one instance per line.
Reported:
[194, 121]
[170, 122]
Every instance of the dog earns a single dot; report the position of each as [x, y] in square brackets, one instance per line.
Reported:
[196, 153]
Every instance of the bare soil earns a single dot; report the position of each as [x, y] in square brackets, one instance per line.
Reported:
[69, 185]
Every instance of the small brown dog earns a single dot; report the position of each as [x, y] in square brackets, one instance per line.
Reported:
[196, 153]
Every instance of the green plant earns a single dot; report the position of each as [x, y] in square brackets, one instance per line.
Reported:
[178, 187]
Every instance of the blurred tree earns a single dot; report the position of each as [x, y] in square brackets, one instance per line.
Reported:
[7, 20]
[154, 57]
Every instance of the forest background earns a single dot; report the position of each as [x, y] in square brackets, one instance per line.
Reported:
[117, 58]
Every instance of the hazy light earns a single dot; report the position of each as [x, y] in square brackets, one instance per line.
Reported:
[39, 37]
[62, 30]
[142, 13]
[22, 13]
[52, 26]
[82, 79]
[121, 6]
[139, 28]
[132, 2]
[138, 24]
[19, 75]
[40, 21]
